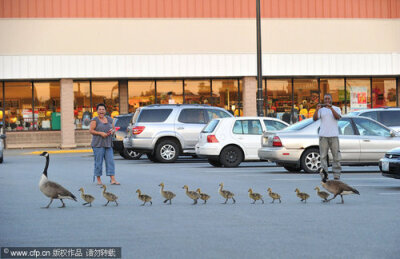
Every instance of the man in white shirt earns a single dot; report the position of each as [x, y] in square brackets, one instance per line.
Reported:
[329, 135]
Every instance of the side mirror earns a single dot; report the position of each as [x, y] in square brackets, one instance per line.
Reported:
[393, 133]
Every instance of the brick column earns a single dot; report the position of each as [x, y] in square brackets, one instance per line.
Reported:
[123, 97]
[249, 96]
[67, 114]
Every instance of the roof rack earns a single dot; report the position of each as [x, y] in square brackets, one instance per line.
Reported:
[173, 105]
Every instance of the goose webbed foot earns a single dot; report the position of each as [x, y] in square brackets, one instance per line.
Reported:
[106, 203]
[234, 201]
[165, 201]
[143, 204]
[85, 203]
[48, 205]
[63, 204]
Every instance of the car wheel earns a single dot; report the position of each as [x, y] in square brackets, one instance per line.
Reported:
[292, 168]
[131, 154]
[151, 157]
[1, 159]
[311, 161]
[214, 162]
[167, 151]
[231, 156]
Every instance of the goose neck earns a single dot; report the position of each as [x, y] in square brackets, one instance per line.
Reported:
[46, 166]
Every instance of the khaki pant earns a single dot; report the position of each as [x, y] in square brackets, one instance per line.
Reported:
[326, 143]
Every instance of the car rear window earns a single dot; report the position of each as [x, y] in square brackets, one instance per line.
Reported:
[122, 122]
[154, 115]
[210, 127]
[390, 118]
[299, 125]
[215, 113]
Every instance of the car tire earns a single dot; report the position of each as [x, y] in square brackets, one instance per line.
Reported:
[292, 168]
[1, 159]
[214, 162]
[131, 154]
[311, 160]
[152, 157]
[167, 151]
[231, 156]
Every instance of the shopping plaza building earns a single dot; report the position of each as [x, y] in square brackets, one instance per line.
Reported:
[59, 58]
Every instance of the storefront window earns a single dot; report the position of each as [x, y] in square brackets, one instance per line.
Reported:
[141, 93]
[47, 105]
[2, 117]
[306, 98]
[279, 98]
[383, 92]
[82, 105]
[225, 94]
[18, 106]
[106, 92]
[197, 91]
[170, 92]
[335, 87]
[358, 94]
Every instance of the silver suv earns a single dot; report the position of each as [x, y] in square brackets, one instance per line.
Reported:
[389, 116]
[165, 131]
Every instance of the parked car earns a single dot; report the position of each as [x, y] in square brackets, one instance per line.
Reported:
[165, 131]
[121, 123]
[362, 142]
[2, 137]
[390, 164]
[230, 141]
[388, 116]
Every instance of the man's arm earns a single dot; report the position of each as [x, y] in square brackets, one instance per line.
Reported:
[315, 116]
[335, 114]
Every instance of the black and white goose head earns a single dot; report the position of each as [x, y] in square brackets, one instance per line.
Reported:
[46, 155]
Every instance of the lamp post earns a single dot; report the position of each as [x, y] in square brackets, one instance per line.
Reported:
[260, 97]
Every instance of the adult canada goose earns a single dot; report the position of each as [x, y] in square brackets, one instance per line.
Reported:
[86, 197]
[52, 189]
[143, 197]
[302, 195]
[203, 196]
[226, 194]
[274, 195]
[255, 196]
[336, 187]
[166, 194]
[191, 194]
[109, 196]
[322, 194]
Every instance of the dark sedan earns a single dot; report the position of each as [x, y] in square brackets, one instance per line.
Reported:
[390, 164]
[121, 123]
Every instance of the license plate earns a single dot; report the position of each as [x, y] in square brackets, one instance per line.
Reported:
[385, 166]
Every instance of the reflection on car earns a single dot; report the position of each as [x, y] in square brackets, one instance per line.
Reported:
[229, 141]
[362, 142]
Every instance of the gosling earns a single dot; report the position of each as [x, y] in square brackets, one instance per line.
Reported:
[203, 196]
[255, 196]
[191, 194]
[322, 194]
[86, 197]
[143, 197]
[337, 187]
[109, 196]
[274, 195]
[302, 195]
[166, 194]
[226, 194]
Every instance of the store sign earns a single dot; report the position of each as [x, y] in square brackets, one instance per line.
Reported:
[358, 98]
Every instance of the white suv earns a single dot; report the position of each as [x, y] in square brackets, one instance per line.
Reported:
[229, 141]
[165, 131]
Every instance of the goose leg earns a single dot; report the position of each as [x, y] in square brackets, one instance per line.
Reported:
[234, 201]
[272, 200]
[165, 200]
[226, 201]
[205, 201]
[194, 202]
[253, 202]
[85, 203]
[279, 200]
[341, 196]
[48, 205]
[262, 201]
[332, 197]
[151, 203]
[106, 203]
[90, 204]
[63, 204]
[116, 203]
[170, 201]
[143, 204]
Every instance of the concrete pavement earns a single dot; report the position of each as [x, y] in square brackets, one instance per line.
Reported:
[364, 227]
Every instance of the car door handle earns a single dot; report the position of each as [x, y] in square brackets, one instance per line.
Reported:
[366, 140]
[181, 128]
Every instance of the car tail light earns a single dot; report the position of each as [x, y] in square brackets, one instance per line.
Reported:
[117, 128]
[212, 139]
[137, 130]
[276, 142]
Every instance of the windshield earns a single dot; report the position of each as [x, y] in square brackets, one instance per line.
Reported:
[299, 125]
[210, 127]
[353, 113]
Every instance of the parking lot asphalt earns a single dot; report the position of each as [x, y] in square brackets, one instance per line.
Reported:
[365, 226]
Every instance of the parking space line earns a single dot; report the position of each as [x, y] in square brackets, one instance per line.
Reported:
[389, 193]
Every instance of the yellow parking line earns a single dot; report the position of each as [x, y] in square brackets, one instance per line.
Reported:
[61, 151]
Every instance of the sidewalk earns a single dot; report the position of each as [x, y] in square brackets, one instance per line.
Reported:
[37, 151]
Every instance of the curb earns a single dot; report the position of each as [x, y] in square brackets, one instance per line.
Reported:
[61, 151]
